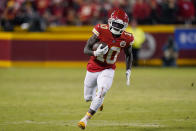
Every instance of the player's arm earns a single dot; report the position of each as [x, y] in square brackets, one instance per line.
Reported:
[89, 45]
[88, 49]
[128, 57]
[128, 61]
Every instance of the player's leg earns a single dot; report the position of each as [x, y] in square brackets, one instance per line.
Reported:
[90, 85]
[93, 96]
[104, 82]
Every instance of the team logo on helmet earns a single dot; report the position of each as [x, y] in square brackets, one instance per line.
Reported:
[122, 44]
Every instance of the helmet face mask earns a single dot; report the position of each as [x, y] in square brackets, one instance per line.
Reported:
[117, 25]
[118, 22]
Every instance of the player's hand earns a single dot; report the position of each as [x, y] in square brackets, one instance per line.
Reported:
[128, 75]
[100, 51]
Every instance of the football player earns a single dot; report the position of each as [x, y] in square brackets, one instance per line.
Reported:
[101, 66]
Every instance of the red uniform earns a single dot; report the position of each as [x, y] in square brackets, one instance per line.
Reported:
[115, 45]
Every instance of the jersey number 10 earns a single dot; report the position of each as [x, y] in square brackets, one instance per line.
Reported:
[111, 56]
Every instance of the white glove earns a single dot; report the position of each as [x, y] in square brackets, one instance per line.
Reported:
[128, 75]
[100, 51]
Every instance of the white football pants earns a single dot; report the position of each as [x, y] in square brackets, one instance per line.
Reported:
[96, 85]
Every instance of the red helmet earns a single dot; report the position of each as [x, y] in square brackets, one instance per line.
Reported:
[118, 21]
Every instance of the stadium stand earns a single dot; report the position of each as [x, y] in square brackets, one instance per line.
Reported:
[36, 15]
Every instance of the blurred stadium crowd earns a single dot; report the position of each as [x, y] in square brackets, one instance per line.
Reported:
[36, 15]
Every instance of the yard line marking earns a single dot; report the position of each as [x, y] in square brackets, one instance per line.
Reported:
[95, 123]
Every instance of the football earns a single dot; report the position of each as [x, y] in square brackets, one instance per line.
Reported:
[96, 45]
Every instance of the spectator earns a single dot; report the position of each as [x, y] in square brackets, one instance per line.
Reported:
[104, 11]
[42, 6]
[42, 13]
[125, 6]
[168, 12]
[186, 11]
[77, 4]
[57, 12]
[2, 6]
[36, 20]
[24, 14]
[141, 12]
[86, 12]
[170, 53]
[155, 11]
[194, 2]
[96, 12]
[8, 16]
[37, 24]
[71, 19]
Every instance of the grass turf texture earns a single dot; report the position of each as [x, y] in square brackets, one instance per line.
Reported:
[46, 99]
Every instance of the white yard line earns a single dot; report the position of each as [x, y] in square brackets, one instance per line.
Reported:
[96, 123]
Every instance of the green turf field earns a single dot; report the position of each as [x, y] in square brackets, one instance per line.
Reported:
[51, 99]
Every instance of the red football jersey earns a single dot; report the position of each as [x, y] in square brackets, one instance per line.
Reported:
[115, 45]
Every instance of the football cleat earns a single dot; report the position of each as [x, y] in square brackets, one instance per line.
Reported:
[82, 124]
[101, 108]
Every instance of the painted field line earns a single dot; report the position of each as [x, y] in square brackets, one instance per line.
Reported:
[94, 123]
